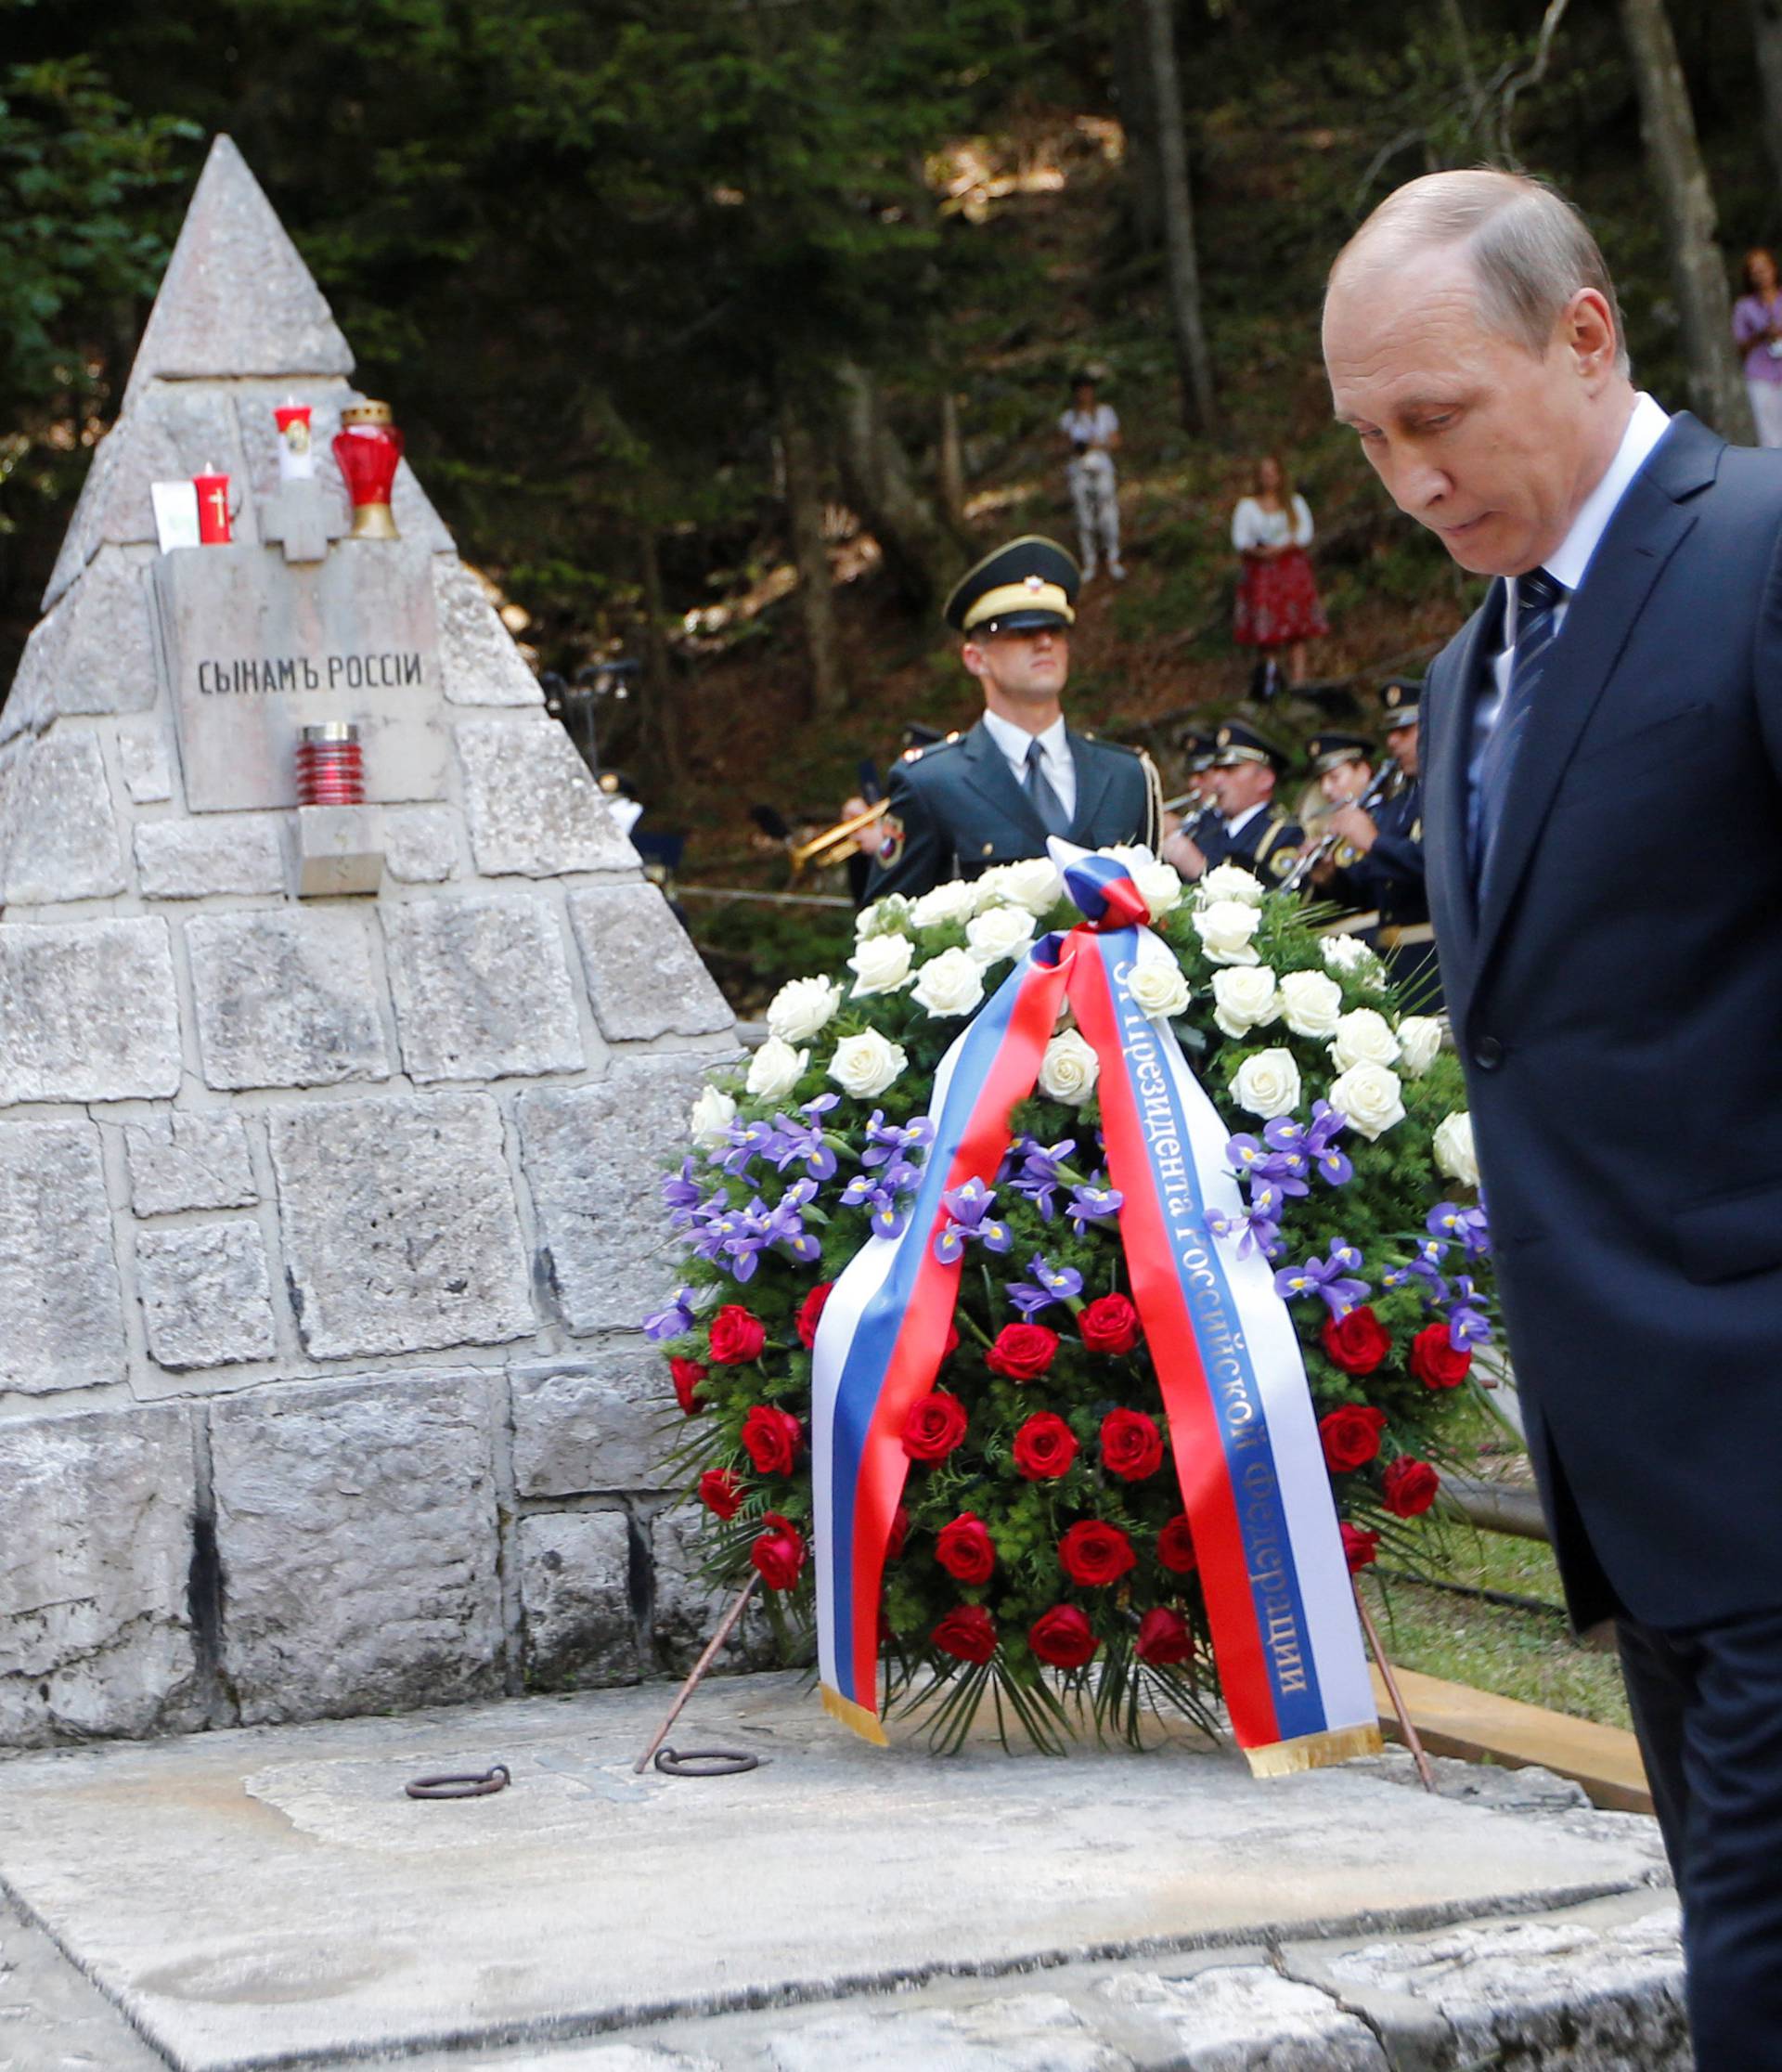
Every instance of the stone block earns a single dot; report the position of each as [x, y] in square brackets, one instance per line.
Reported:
[87, 1012]
[355, 1525]
[94, 652]
[58, 835]
[400, 1230]
[286, 998]
[142, 756]
[482, 667]
[482, 988]
[190, 859]
[62, 1316]
[687, 1609]
[575, 1593]
[187, 1160]
[206, 1295]
[601, 1424]
[534, 809]
[644, 975]
[337, 851]
[1232, 2016]
[1013, 2032]
[95, 1561]
[594, 1157]
[421, 844]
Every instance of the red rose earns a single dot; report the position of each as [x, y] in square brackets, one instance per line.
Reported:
[1435, 1360]
[738, 1336]
[951, 1345]
[1164, 1638]
[1062, 1636]
[1357, 1342]
[720, 1492]
[935, 1426]
[687, 1375]
[1022, 1351]
[771, 1439]
[1093, 1553]
[1351, 1436]
[779, 1554]
[1176, 1546]
[809, 1311]
[1044, 1447]
[1359, 1548]
[1131, 1444]
[1409, 1486]
[969, 1633]
[900, 1532]
[1109, 1324]
[965, 1549]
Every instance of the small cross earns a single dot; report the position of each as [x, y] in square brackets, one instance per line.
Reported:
[301, 517]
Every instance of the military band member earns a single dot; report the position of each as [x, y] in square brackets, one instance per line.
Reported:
[1380, 867]
[995, 793]
[1251, 828]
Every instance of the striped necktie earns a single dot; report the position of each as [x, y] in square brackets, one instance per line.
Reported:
[1538, 599]
[1046, 802]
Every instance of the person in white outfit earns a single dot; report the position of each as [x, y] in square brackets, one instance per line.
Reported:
[1091, 431]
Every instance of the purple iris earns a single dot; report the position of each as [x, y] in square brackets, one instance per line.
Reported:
[1448, 1219]
[1467, 1325]
[681, 1195]
[882, 1193]
[804, 1141]
[969, 1220]
[1094, 1203]
[672, 1322]
[1276, 1167]
[1050, 1284]
[748, 1142]
[1333, 1279]
[1041, 1171]
[1253, 1232]
[1311, 1143]
[889, 1140]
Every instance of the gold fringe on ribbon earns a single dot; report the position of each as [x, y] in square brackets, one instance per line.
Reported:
[1307, 1752]
[866, 1725]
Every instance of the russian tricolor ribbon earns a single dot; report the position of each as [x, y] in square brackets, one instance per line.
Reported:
[1241, 1428]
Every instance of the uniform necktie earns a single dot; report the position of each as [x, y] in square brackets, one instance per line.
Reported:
[1046, 802]
[1538, 599]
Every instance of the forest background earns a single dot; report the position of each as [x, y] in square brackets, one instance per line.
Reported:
[725, 334]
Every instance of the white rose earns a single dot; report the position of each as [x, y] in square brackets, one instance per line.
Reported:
[883, 918]
[1369, 1096]
[775, 1070]
[1158, 987]
[1245, 998]
[1158, 882]
[802, 1007]
[1363, 1036]
[881, 964]
[1453, 1148]
[1069, 1069]
[1268, 1084]
[998, 932]
[950, 984]
[1311, 1002]
[950, 902]
[1230, 881]
[865, 1065]
[1034, 884]
[1345, 953]
[1225, 927]
[709, 1125]
[1419, 1041]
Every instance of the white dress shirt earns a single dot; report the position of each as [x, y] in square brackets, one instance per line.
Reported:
[1569, 565]
[1235, 827]
[1055, 758]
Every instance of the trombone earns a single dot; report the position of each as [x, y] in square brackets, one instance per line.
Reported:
[833, 843]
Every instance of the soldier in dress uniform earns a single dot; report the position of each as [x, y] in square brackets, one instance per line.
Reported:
[1252, 830]
[994, 794]
[1378, 865]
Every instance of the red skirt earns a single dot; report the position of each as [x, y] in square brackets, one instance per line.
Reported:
[1277, 603]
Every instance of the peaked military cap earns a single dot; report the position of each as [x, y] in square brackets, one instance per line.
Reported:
[1023, 588]
[1234, 742]
[1331, 751]
[1401, 696]
[1198, 747]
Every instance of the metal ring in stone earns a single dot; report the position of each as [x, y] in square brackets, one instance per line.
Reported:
[462, 1784]
[705, 1762]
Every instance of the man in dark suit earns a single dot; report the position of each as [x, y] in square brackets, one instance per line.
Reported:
[995, 793]
[1617, 1000]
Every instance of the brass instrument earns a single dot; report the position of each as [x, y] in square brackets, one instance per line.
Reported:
[833, 844]
[1385, 783]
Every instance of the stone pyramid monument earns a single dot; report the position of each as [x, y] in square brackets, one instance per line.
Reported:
[326, 1222]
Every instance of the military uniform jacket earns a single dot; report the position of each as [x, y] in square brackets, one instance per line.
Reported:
[1389, 877]
[956, 808]
[1267, 844]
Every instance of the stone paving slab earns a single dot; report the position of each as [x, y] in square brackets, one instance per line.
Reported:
[269, 1895]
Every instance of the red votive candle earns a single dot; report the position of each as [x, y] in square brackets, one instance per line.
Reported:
[330, 765]
[212, 509]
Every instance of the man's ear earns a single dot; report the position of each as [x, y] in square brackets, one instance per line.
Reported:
[1589, 330]
[972, 655]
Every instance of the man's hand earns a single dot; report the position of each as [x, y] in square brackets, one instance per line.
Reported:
[1353, 826]
[1181, 851]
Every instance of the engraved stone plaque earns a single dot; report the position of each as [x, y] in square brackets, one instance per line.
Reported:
[255, 648]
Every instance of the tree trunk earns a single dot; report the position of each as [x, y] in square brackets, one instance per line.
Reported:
[951, 461]
[1461, 36]
[1194, 363]
[662, 729]
[918, 545]
[1137, 105]
[1686, 203]
[815, 592]
[1766, 33]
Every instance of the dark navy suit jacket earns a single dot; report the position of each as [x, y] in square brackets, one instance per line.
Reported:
[1617, 1000]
